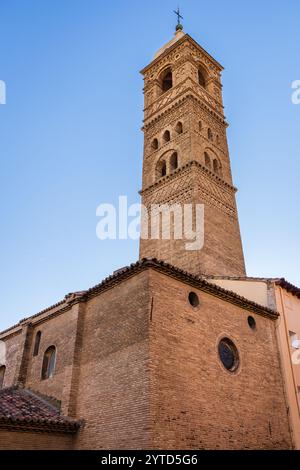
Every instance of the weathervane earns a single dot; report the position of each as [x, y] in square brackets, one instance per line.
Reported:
[179, 26]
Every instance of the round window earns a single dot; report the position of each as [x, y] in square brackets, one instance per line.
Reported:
[228, 354]
[252, 323]
[193, 299]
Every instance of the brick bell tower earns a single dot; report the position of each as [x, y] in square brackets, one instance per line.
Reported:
[186, 158]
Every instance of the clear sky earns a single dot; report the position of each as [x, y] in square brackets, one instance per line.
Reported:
[70, 134]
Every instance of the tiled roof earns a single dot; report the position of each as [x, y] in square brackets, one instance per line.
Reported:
[109, 282]
[289, 287]
[21, 408]
[194, 280]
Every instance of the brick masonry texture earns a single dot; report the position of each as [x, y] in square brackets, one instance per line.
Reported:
[148, 373]
[195, 402]
[21, 405]
[200, 111]
[17, 440]
[113, 393]
[135, 361]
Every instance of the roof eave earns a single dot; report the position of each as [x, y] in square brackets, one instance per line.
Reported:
[38, 426]
[135, 268]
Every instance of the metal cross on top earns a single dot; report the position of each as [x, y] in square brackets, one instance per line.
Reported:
[179, 17]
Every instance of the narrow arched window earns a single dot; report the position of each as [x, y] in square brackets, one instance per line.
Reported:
[209, 134]
[166, 136]
[161, 169]
[2, 374]
[37, 343]
[174, 161]
[166, 80]
[49, 361]
[216, 166]
[201, 79]
[207, 160]
[154, 144]
[179, 128]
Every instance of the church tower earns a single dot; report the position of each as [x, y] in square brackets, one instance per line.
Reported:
[186, 158]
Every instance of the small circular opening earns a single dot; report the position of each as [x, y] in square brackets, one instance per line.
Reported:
[228, 354]
[251, 323]
[193, 299]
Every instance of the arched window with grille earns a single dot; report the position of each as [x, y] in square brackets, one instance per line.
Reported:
[49, 362]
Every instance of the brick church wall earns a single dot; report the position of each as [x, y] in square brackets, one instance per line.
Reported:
[13, 345]
[113, 394]
[146, 373]
[196, 403]
[18, 440]
[59, 331]
[136, 361]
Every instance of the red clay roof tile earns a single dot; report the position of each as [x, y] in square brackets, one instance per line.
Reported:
[22, 407]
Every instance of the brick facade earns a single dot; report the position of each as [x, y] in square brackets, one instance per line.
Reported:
[147, 369]
[20, 440]
[196, 402]
[202, 134]
[134, 360]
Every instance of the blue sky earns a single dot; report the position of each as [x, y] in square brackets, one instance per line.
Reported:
[70, 134]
